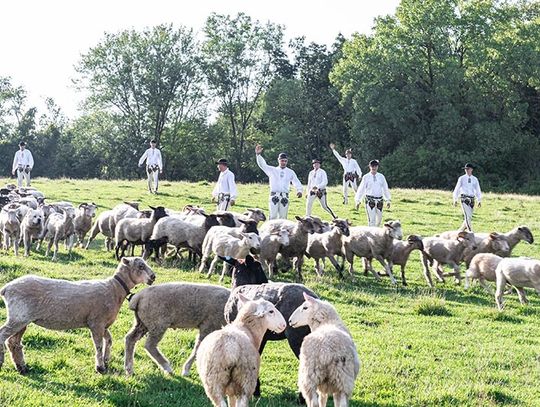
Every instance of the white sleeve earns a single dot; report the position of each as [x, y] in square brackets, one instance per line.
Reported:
[309, 186]
[215, 191]
[160, 161]
[232, 187]
[263, 166]
[14, 166]
[30, 160]
[324, 181]
[339, 157]
[361, 191]
[478, 192]
[456, 189]
[385, 190]
[143, 157]
[358, 170]
[296, 182]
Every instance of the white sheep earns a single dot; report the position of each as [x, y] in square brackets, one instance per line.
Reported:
[83, 220]
[228, 360]
[122, 211]
[31, 228]
[402, 251]
[519, 272]
[59, 226]
[102, 225]
[60, 305]
[329, 361]
[174, 305]
[10, 227]
[482, 268]
[271, 241]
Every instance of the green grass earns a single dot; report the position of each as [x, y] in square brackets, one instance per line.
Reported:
[418, 347]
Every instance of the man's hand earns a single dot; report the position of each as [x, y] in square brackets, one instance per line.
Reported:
[13, 172]
[357, 205]
[161, 171]
[299, 194]
[454, 204]
[258, 149]
[140, 165]
[332, 146]
[479, 204]
[388, 205]
[232, 202]
[213, 199]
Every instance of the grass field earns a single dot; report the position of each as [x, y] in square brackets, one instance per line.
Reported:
[418, 347]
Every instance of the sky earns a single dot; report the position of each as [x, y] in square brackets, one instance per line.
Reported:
[41, 40]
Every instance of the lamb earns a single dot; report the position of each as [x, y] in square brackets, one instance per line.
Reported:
[329, 361]
[438, 251]
[10, 226]
[31, 228]
[246, 272]
[60, 304]
[102, 225]
[271, 242]
[519, 272]
[402, 251]
[373, 242]
[328, 244]
[83, 220]
[228, 359]
[298, 238]
[59, 226]
[286, 297]
[174, 305]
[225, 245]
[482, 268]
[136, 231]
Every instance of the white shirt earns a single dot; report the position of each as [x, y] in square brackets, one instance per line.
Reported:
[152, 157]
[280, 178]
[225, 185]
[349, 165]
[22, 159]
[373, 185]
[318, 179]
[467, 186]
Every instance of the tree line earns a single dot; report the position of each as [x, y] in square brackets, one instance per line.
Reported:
[438, 83]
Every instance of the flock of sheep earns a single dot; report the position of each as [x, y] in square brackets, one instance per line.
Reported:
[240, 320]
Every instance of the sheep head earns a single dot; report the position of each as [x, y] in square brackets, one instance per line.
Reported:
[137, 270]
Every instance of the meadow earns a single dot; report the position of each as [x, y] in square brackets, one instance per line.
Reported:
[418, 347]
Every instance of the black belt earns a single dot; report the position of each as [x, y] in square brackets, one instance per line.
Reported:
[279, 193]
[152, 168]
[373, 197]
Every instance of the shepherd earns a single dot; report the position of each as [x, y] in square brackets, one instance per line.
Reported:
[373, 188]
[154, 166]
[23, 162]
[351, 172]
[316, 188]
[224, 192]
[468, 191]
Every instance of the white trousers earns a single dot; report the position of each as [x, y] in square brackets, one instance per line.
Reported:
[152, 178]
[223, 202]
[467, 207]
[322, 200]
[21, 174]
[374, 209]
[279, 205]
[346, 185]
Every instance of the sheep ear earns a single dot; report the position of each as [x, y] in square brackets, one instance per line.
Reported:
[261, 309]
[493, 235]
[242, 221]
[348, 222]
[388, 225]
[242, 300]
[298, 217]
[308, 297]
[125, 261]
[151, 207]
[82, 205]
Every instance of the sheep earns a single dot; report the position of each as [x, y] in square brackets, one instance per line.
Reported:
[61, 304]
[83, 220]
[328, 244]
[246, 272]
[438, 251]
[329, 361]
[22, 210]
[402, 251]
[31, 228]
[519, 272]
[121, 211]
[10, 226]
[286, 297]
[373, 242]
[271, 242]
[255, 214]
[174, 305]
[228, 359]
[226, 245]
[485, 243]
[298, 238]
[513, 237]
[59, 226]
[102, 225]
[482, 267]
[136, 231]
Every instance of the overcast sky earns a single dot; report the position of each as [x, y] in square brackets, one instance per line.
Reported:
[41, 40]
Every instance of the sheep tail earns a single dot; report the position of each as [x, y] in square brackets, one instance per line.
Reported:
[133, 302]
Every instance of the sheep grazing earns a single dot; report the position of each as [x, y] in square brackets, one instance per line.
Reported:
[10, 226]
[438, 251]
[286, 297]
[373, 242]
[246, 272]
[482, 268]
[271, 242]
[60, 304]
[136, 231]
[83, 220]
[174, 305]
[228, 360]
[298, 238]
[519, 272]
[59, 226]
[102, 225]
[31, 228]
[328, 244]
[329, 361]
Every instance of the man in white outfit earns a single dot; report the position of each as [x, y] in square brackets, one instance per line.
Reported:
[224, 192]
[467, 190]
[23, 162]
[351, 172]
[373, 188]
[316, 188]
[280, 178]
[154, 165]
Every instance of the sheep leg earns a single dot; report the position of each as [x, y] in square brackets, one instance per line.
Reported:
[375, 274]
[187, 366]
[107, 345]
[204, 259]
[16, 245]
[427, 273]
[49, 247]
[340, 400]
[367, 265]
[318, 268]
[323, 399]
[16, 349]
[132, 337]
[212, 267]
[486, 286]
[403, 281]
[522, 296]
[457, 274]
[10, 328]
[437, 268]
[387, 267]
[312, 397]
[97, 337]
[299, 261]
[151, 344]
[270, 267]
[93, 233]
[243, 401]
[224, 271]
[56, 240]
[501, 283]
[336, 265]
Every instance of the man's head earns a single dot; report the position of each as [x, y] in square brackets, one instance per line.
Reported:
[374, 166]
[468, 169]
[283, 159]
[316, 163]
[222, 164]
[348, 153]
[153, 143]
[22, 145]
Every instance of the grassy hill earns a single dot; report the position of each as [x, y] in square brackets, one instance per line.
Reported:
[418, 347]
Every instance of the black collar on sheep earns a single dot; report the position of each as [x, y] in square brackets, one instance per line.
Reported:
[129, 294]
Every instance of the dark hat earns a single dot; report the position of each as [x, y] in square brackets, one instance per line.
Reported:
[315, 160]
[373, 163]
[348, 151]
[22, 143]
[153, 141]
[468, 165]
[223, 161]
[282, 156]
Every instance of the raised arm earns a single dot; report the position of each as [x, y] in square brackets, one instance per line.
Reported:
[338, 156]
[263, 166]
